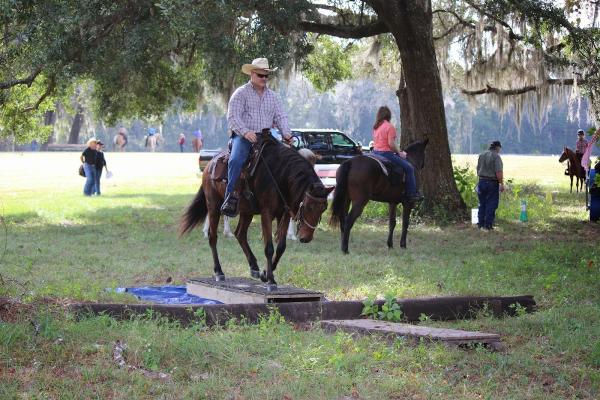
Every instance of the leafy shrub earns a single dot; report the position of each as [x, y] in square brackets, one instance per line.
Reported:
[466, 180]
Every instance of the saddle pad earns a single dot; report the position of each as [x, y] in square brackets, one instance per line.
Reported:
[393, 172]
[218, 169]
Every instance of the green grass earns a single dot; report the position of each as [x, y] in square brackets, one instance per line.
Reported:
[62, 247]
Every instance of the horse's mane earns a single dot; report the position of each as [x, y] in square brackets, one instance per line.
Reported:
[292, 172]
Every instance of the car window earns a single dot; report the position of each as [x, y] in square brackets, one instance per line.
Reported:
[339, 140]
[316, 140]
[298, 142]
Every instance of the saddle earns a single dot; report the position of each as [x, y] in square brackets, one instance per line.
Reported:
[394, 172]
[218, 169]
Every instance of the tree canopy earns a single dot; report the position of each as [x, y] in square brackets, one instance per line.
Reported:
[141, 57]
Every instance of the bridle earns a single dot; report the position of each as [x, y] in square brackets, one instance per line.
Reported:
[299, 217]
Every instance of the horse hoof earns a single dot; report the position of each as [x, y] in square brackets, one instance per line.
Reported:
[219, 277]
[263, 277]
[271, 287]
[255, 274]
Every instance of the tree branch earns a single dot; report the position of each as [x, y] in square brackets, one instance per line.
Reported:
[25, 81]
[512, 92]
[511, 34]
[48, 92]
[346, 31]
[461, 20]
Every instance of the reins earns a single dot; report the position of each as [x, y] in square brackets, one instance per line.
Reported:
[298, 217]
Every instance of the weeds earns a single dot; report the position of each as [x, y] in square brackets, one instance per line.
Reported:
[389, 311]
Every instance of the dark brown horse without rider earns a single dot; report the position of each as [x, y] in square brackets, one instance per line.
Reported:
[361, 179]
[574, 168]
[284, 185]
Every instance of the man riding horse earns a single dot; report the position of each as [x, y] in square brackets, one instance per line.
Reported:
[252, 108]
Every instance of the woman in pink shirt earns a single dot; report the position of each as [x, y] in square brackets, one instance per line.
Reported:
[384, 138]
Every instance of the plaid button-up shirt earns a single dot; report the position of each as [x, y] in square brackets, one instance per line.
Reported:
[580, 146]
[248, 111]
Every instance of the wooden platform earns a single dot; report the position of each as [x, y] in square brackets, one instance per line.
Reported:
[244, 291]
[391, 331]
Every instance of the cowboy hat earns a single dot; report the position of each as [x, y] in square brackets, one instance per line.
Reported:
[257, 63]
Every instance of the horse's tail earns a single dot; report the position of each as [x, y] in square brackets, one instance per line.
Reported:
[195, 213]
[340, 201]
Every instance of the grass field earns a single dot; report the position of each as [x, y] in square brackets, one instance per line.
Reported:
[60, 247]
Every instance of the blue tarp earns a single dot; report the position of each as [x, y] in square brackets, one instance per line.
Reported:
[166, 295]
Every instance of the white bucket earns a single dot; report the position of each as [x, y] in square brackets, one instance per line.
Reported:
[474, 215]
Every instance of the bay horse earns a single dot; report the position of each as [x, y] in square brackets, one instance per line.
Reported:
[284, 186]
[361, 179]
[312, 158]
[574, 168]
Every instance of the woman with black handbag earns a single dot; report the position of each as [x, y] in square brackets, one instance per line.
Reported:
[88, 158]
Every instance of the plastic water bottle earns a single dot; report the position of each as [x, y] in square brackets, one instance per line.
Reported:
[523, 217]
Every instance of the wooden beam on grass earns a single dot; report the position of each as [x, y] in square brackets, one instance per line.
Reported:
[435, 308]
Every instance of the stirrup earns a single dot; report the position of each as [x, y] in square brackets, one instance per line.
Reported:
[230, 206]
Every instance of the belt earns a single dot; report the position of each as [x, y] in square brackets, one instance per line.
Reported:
[487, 178]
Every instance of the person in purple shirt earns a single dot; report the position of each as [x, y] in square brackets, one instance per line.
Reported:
[252, 108]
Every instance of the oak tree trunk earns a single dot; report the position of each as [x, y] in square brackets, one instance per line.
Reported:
[76, 126]
[422, 113]
[49, 119]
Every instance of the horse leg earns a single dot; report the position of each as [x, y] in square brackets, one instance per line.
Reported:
[291, 231]
[266, 222]
[355, 212]
[571, 190]
[205, 227]
[391, 224]
[226, 227]
[281, 237]
[406, 209]
[241, 234]
[213, 217]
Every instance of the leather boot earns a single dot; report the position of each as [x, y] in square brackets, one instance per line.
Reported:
[230, 205]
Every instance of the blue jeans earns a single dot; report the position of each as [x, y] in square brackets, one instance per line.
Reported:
[240, 148]
[488, 192]
[97, 181]
[90, 179]
[409, 170]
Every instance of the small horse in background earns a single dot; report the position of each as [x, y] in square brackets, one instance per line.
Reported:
[361, 179]
[153, 141]
[284, 185]
[574, 168]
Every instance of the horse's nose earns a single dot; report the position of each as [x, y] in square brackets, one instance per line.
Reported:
[305, 239]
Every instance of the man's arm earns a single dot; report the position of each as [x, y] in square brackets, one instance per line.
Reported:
[235, 108]
[499, 173]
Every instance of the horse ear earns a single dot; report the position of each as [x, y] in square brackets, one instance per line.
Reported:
[329, 189]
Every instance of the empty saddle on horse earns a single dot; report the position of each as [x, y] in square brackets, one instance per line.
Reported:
[394, 172]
